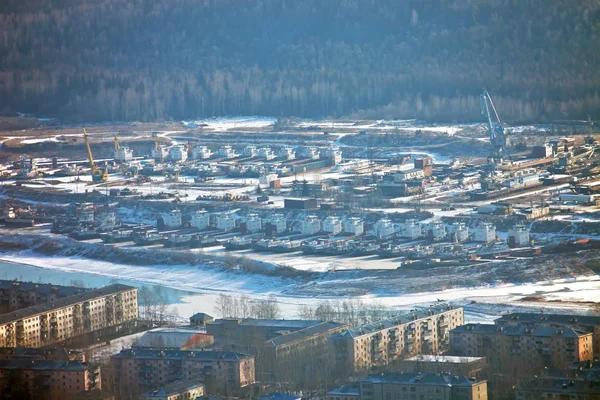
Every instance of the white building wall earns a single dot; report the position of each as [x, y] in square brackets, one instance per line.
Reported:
[178, 153]
[200, 219]
[485, 232]
[311, 225]
[226, 222]
[384, 227]
[332, 225]
[172, 219]
[253, 223]
[354, 225]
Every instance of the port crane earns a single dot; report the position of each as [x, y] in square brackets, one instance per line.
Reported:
[97, 174]
[495, 127]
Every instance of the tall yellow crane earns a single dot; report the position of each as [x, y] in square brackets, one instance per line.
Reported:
[97, 174]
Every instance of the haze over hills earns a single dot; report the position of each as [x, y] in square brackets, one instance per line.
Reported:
[143, 60]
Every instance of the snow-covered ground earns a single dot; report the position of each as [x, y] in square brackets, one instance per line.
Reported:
[208, 284]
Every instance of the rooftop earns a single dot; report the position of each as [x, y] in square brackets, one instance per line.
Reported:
[444, 359]
[44, 365]
[519, 330]
[419, 378]
[171, 354]
[400, 319]
[568, 386]
[279, 396]
[201, 316]
[43, 288]
[270, 323]
[173, 388]
[171, 338]
[40, 352]
[301, 334]
[64, 302]
[350, 389]
[559, 319]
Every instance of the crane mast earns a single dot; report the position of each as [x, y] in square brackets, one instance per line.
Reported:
[495, 127]
[97, 175]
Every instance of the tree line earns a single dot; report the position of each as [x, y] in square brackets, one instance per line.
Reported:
[140, 60]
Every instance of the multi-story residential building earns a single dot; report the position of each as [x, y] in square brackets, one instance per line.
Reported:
[583, 323]
[179, 390]
[263, 329]
[281, 355]
[423, 331]
[473, 367]
[46, 379]
[61, 319]
[414, 385]
[521, 350]
[350, 391]
[145, 369]
[41, 353]
[557, 388]
[17, 294]
[173, 338]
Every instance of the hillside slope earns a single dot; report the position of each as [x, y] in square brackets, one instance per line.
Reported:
[150, 60]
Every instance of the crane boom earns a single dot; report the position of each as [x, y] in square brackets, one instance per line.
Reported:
[89, 151]
[496, 128]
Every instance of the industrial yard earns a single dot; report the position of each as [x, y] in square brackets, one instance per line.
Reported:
[314, 196]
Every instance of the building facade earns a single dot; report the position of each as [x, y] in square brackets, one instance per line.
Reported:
[583, 323]
[68, 317]
[521, 350]
[424, 331]
[46, 379]
[17, 294]
[145, 369]
[178, 390]
[414, 386]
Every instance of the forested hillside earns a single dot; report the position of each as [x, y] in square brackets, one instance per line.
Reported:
[154, 60]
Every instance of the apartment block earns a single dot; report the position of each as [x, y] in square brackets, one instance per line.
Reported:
[71, 316]
[412, 386]
[16, 294]
[557, 388]
[521, 350]
[422, 331]
[178, 390]
[584, 323]
[145, 369]
[46, 379]
[233, 329]
[473, 367]
[282, 354]
[41, 353]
